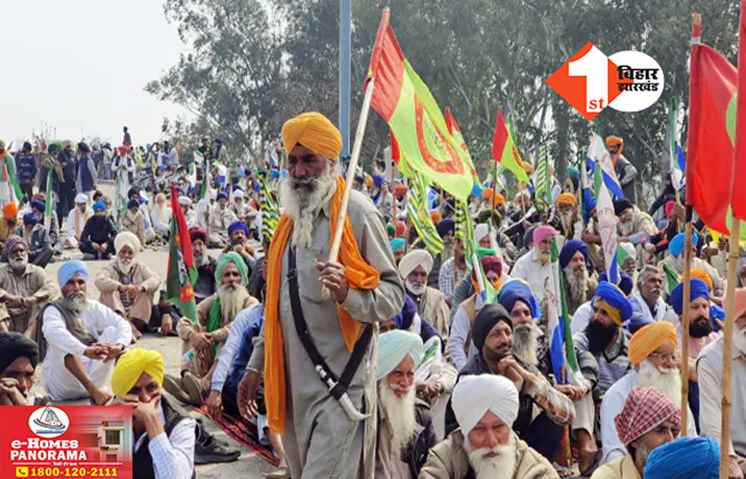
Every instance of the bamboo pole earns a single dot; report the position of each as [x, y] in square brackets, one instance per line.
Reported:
[685, 321]
[726, 403]
[350, 179]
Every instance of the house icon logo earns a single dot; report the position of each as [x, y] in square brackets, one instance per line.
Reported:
[48, 422]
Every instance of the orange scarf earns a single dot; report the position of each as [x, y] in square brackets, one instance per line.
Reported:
[359, 275]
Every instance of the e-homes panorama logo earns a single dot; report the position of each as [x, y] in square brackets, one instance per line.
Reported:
[590, 81]
[48, 422]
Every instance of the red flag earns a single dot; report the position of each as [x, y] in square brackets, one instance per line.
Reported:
[738, 196]
[712, 86]
[183, 239]
[504, 150]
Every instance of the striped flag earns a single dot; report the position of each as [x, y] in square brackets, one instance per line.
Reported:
[543, 181]
[599, 162]
[51, 197]
[419, 214]
[270, 210]
[672, 278]
[677, 163]
[607, 224]
[561, 347]
[465, 228]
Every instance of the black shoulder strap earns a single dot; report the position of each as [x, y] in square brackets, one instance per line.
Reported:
[301, 327]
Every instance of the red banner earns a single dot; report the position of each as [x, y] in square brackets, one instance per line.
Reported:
[66, 442]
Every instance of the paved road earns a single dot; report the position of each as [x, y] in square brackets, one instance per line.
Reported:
[249, 465]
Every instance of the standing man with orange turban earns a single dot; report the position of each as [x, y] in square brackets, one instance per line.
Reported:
[624, 169]
[319, 315]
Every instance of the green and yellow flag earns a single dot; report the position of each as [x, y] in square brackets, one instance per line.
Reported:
[418, 128]
[419, 214]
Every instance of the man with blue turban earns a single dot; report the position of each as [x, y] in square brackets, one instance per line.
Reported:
[238, 242]
[674, 261]
[97, 238]
[79, 340]
[214, 317]
[685, 458]
[573, 260]
[405, 429]
[518, 300]
[601, 350]
[37, 237]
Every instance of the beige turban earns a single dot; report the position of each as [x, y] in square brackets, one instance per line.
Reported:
[414, 258]
[127, 238]
[473, 396]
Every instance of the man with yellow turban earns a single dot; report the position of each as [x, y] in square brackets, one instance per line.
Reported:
[566, 219]
[333, 304]
[653, 355]
[164, 438]
[624, 169]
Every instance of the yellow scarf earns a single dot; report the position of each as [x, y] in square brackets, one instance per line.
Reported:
[359, 275]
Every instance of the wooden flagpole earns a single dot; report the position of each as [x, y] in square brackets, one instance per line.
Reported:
[350, 179]
[726, 403]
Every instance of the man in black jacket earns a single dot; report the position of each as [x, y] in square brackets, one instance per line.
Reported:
[66, 190]
[405, 430]
[26, 170]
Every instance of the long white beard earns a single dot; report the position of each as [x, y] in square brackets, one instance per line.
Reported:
[400, 413]
[501, 466]
[162, 213]
[18, 265]
[567, 219]
[577, 283]
[415, 289]
[303, 205]
[124, 267]
[231, 300]
[526, 343]
[76, 303]
[667, 381]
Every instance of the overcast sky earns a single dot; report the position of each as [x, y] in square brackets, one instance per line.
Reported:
[81, 66]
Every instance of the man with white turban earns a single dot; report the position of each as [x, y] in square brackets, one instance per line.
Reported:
[127, 286]
[164, 438]
[414, 269]
[79, 340]
[405, 429]
[655, 364]
[76, 221]
[485, 445]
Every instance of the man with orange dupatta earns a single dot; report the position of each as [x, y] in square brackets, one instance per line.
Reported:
[327, 425]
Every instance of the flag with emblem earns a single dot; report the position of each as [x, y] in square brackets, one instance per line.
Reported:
[182, 272]
[504, 150]
[419, 214]
[418, 128]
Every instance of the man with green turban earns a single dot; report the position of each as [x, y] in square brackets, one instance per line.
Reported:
[214, 316]
[164, 438]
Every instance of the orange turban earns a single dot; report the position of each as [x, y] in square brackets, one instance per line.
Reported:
[487, 193]
[499, 199]
[10, 211]
[649, 338]
[314, 131]
[704, 276]
[612, 140]
[436, 216]
[567, 199]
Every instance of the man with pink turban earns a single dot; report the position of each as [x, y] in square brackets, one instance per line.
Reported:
[710, 377]
[535, 267]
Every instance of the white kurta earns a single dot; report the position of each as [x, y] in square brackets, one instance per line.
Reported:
[611, 406]
[528, 268]
[105, 325]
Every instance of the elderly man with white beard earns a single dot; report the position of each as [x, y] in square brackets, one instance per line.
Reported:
[405, 429]
[214, 317]
[76, 221]
[79, 340]
[516, 297]
[566, 219]
[414, 268]
[323, 310]
[710, 377]
[573, 260]
[24, 290]
[535, 267]
[485, 446]
[127, 286]
[654, 359]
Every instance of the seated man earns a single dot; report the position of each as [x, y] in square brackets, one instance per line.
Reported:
[18, 358]
[37, 237]
[205, 264]
[710, 375]
[535, 267]
[647, 301]
[164, 438]
[76, 220]
[127, 286]
[685, 458]
[79, 340]
[24, 290]
[221, 217]
[652, 353]
[405, 429]
[493, 339]
[573, 260]
[9, 223]
[214, 318]
[238, 233]
[133, 220]
[634, 226]
[160, 216]
[414, 269]
[648, 420]
[485, 445]
[97, 238]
